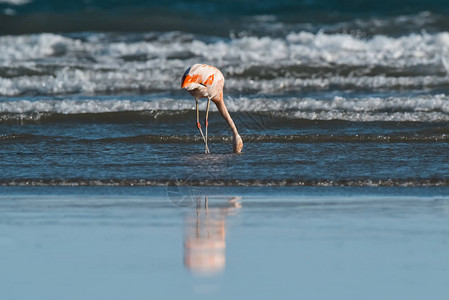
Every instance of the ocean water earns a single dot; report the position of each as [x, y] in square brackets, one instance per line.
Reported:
[312, 108]
[343, 108]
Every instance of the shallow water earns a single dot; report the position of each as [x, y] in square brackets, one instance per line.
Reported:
[313, 106]
[137, 242]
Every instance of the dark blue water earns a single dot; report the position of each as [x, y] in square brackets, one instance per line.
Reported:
[322, 92]
[213, 17]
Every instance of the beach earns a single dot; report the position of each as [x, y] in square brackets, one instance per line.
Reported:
[340, 191]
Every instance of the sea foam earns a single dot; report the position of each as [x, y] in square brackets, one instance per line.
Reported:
[420, 108]
[48, 64]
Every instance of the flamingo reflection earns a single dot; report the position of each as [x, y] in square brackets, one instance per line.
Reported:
[205, 236]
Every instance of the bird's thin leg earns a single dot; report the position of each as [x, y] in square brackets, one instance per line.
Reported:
[207, 123]
[198, 125]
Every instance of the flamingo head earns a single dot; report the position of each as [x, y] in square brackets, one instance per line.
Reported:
[188, 79]
[238, 144]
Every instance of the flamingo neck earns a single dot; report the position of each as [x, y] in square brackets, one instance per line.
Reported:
[225, 114]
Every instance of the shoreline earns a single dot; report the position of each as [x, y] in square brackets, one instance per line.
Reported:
[252, 191]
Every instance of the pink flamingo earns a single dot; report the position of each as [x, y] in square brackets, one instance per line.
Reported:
[204, 81]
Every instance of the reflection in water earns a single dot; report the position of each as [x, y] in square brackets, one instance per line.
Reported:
[205, 236]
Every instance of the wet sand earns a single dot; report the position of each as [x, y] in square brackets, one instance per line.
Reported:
[146, 243]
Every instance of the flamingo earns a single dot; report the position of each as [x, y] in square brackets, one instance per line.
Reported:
[204, 81]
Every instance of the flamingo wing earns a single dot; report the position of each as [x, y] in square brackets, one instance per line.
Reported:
[200, 74]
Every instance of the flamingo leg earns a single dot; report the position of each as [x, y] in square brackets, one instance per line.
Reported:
[207, 124]
[198, 125]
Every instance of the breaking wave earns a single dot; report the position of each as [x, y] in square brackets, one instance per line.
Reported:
[428, 108]
[52, 64]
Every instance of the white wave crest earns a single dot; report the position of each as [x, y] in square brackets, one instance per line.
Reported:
[15, 2]
[91, 106]
[32, 47]
[301, 47]
[57, 64]
[423, 108]
[71, 81]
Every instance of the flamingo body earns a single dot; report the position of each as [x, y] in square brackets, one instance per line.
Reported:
[204, 81]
